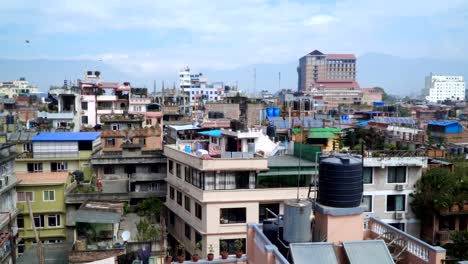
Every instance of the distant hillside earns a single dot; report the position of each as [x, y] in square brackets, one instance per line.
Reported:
[396, 75]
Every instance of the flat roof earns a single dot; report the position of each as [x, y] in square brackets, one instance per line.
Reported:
[288, 161]
[65, 136]
[42, 178]
[184, 127]
[443, 122]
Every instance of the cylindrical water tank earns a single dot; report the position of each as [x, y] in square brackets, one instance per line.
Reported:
[340, 181]
[188, 149]
[297, 221]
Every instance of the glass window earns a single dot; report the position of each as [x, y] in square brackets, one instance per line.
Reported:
[34, 167]
[232, 215]
[84, 105]
[198, 211]
[171, 166]
[264, 214]
[187, 203]
[20, 221]
[198, 237]
[188, 174]
[49, 195]
[21, 247]
[110, 142]
[39, 221]
[22, 196]
[396, 174]
[367, 203]
[230, 244]
[188, 231]
[400, 226]
[171, 218]
[84, 120]
[53, 220]
[367, 175]
[178, 170]
[58, 166]
[171, 193]
[179, 198]
[396, 203]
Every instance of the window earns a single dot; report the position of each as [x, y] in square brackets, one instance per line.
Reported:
[142, 141]
[251, 140]
[367, 175]
[231, 245]
[188, 231]
[171, 166]
[34, 167]
[149, 122]
[39, 221]
[84, 105]
[396, 203]
[232, 215]
[171, 193]
[400, 226]
[110, 142]
[171, 218]
[27, 147]
[84, 120]
[188, 174]
[198, 211]
[109, 170]
[20, 221]
[49, 195]
[23, 195]
[179, 198]
[264, 213]
[58, 166]
[20, 247]
[178, 170]
[396, 174]
[53, 220]
[367, 203]
[197, 178]
[198, 238]
[187, 203]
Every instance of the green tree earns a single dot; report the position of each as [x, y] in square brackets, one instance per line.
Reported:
[459, 246]
[151, 207]
[147, 231]
[435, 190]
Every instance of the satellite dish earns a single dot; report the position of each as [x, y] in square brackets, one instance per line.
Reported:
[125, 235]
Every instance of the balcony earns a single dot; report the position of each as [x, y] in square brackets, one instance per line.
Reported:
[106, 98]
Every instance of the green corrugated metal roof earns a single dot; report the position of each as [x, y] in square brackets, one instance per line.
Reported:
[367, 251]
[321, 135]
[326, 129]
[303, 253]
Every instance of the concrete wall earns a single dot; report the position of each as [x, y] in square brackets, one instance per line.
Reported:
[230, 110]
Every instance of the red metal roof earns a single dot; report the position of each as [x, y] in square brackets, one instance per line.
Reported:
[341, 56]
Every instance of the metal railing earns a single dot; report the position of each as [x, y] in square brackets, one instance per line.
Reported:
[384, 153]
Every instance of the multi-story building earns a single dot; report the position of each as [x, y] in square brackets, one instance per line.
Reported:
[337, 92]
[46, 193]
[59, 152]
[197, 87]
[174, 104]
[8, 210]
[213, 189]
[16, 88]
[317, 66]
[389, 179]
[371, 95]
[444, 87]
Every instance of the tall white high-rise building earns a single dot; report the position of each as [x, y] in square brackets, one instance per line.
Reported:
[198, 88]
[444, 87]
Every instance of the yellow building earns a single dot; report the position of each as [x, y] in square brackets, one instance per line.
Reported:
[46, 192]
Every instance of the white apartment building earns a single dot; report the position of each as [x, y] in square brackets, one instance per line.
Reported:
[444, 87]
[17, 87]
[389, 179]
[197, 87]
[211, 197]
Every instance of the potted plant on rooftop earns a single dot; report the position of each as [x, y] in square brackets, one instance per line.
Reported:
[210, 255]
[224, 250]
[196, 256]
[239, 247]
[180, 253]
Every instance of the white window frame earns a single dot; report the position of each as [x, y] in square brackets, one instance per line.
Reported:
[25, 196]
[372, 176]
[63, 166]
[406, 203]
[57, 220]
[406, 175]
[44, 195]
[34, 217]
[372, 203]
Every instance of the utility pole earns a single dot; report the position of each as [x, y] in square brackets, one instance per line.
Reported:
[279, 81]
[40, 249]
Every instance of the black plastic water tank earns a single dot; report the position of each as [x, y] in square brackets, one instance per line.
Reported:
[340, 181]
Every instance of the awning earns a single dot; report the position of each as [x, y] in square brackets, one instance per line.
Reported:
[96, 217]
[211, 133]
[313, 134]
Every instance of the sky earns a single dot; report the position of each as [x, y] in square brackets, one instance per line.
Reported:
[151, 37]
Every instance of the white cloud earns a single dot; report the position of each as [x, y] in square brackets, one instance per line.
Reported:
[319, 20]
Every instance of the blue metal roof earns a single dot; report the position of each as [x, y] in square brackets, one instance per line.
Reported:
[443, 122]
[211, 133]
[65, 136]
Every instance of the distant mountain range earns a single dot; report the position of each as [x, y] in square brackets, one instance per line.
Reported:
[396, 75]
